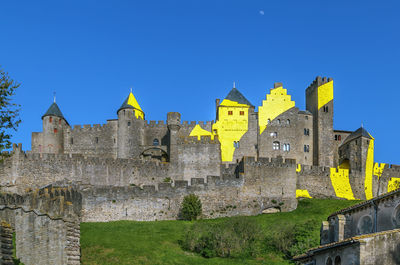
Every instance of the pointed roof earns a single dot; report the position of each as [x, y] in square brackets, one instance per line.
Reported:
[130, 103]
[236, 96]
[360, 132]
[54, 110]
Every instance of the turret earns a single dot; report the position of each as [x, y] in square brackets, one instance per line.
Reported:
[130, 128]
[54, 124]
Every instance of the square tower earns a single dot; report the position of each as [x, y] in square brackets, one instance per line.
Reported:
[319, 101]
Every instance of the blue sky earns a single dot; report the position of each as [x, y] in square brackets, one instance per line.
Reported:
[182, 55]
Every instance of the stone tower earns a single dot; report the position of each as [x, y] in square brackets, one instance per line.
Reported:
[130, 128]
[174, 124]
[356, 151]
[319, 101]
[54, 124]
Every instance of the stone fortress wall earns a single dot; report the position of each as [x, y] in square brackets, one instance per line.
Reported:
[46, 224]
[246, 189]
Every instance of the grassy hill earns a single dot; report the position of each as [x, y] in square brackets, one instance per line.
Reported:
[130, 242]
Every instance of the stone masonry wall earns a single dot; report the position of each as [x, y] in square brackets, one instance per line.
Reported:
[92, 140]
[27, 170]
[46, 223]
[254, 187]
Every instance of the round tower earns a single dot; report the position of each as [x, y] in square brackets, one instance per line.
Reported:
[54, 124]
[130, 128]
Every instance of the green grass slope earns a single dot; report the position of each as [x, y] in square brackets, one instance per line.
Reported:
[130, 242]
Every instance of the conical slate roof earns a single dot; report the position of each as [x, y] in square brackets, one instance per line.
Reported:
[360, 132]
[238, 97]
[54, 110]
[130, 103]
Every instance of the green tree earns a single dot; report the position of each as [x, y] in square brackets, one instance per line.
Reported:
[191, 207]
[9, 111]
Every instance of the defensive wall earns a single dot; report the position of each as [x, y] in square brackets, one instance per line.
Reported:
[46, 224]
[198, 158]
[326, 182]
[249, 189]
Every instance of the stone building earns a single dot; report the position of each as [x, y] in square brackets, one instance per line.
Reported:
[130, 150]
[278, 128]
[367, 233]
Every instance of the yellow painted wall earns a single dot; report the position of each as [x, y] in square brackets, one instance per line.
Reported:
[378, 169]
[325, 94]
[369, 168]
[276, 103]
[302, 194]
[394, 184]
[138, 110]
[198, 131]
[341, 183]
[230, 128]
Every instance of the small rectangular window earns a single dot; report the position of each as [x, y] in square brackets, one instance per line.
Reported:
[129, 123]
[50, 119]
[242, 113]
[55, 130]
[230, 112]
[72, 140]
[97, 140]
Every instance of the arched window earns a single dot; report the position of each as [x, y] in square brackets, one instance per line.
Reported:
[278, 121]
[276, 145]
[274, 134]
[269, 121]
[338, 260]
[328, 261]
[286, 147]
[156, 141]
[287, 121]
[236, 144]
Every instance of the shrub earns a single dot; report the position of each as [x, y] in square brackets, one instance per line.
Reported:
[191, 207]
[238, 237]
[167, 180]
[294, 240]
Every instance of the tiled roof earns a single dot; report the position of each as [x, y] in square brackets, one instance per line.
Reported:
[54, 110]
[347, 241]
[235, 95]
[348, 209]
[360, 132]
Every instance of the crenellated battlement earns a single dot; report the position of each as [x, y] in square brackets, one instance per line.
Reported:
[90, 127]
[318, 81]
[314, 170]
[155, 124]
[55, 202]
[161, 190]
[194, 123]
[194, 140]
[277, 162]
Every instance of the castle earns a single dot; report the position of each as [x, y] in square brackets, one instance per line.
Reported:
[246, 162]
[179, 150]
